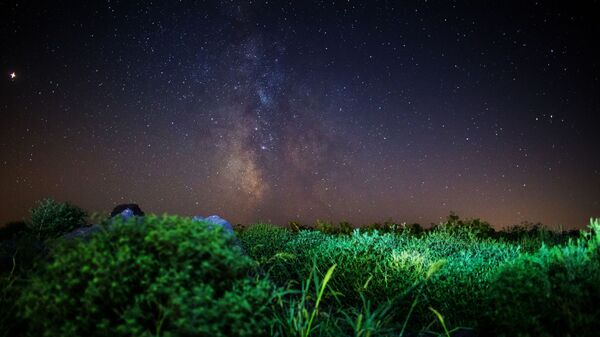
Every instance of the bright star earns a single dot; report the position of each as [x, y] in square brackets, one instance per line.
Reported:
[13, 75]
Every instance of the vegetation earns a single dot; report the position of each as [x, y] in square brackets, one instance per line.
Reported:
[171, 276]
[51, 219]
[552, 292]
[164, 276]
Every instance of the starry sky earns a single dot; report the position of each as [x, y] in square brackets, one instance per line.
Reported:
[301, 110]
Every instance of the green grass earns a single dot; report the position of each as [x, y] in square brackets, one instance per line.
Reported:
[169, 276]
[490, 284]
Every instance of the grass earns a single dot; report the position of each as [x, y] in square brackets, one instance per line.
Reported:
[384, 280]
[445, 280]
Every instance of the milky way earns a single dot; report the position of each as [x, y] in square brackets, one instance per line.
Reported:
[272, 111]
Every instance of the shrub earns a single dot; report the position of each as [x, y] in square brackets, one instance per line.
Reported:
[295, 226]
[12, 230]
[474, 228]
[459, 288]
[414, 228]
[345, 228]
[51, 219]
[17, 248]
[19, 255]
[532, 236]
[325, 227]
[166, 276]
[263, 241]
[11, 286]
[553, 292]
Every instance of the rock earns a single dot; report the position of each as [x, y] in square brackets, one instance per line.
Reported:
[82, 232]
[133, 208]
[216, 220]
[126, 214]
[227, 228]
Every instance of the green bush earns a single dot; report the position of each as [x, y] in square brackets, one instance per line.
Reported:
[295, 226]
[459, 288]
[413, 229]
[530, 237]
[51, 219]
[10, 288]
[474, 228]
[13, 230]
[345, 228]
[263, 241]
[163, 276]
[19, 255]
[326, 227]
[553, 292]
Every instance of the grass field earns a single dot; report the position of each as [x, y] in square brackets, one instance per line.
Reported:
[171, 276]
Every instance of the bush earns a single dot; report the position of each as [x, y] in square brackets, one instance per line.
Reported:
[325, 227]
[345, 228]
[263, 241]
[12, 230]
[532, 236]
[474, 228]
[51, 219]
[553, 292]
[414, 229]
[459, 288]
[163, 276]
[295, 226]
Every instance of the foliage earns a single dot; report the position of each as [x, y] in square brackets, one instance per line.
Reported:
[458, 289]
[262, 241]
[381, 267]
[170, 276]
[345, 228]
[414, 228]
[531, 237]
[552, 292]
[325, 227]
[12, 230]
[9, 292]
[50, 219]
[474, 228]
[19, 255]
[163, 276]
[297, 315]
[295, 226]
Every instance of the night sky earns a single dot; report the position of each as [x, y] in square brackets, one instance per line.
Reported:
[278, 111]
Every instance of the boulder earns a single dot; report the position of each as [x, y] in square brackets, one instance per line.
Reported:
[133, 208]
[126, 214]
[82, 232]
[216, 220]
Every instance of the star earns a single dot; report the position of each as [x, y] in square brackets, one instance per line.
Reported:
[13, 75]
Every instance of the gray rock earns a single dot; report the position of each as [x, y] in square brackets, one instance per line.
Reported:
[216, 220]
[82, 232]
[122, 207]
[126, 214]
